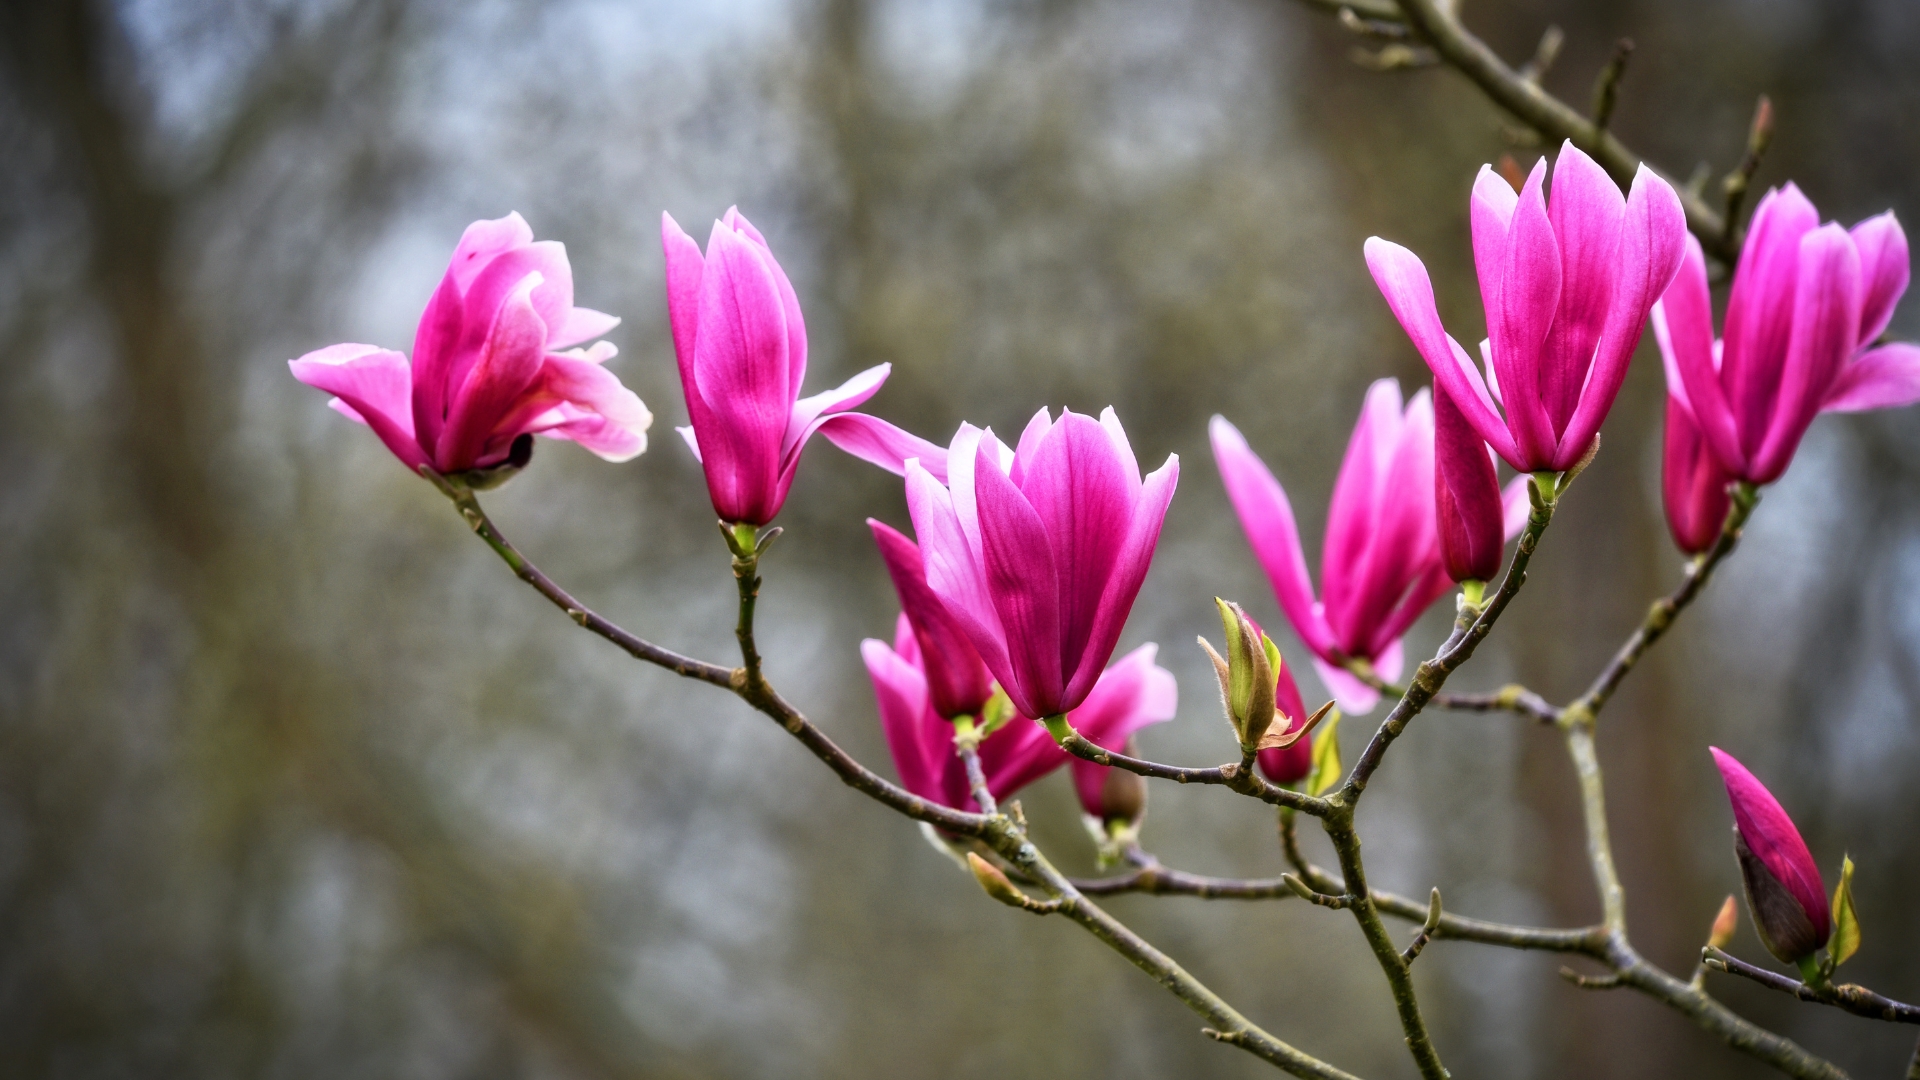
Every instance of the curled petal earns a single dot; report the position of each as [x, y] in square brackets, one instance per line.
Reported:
[1586, 211]
[914, 735]
[375, 384]
[1683, 328]
[1129, 572]
[1884, 378]
[1518, 321]
[1403, 281]
[1760, 311]
[878, 442]
[1884, 271]
[1022, 580]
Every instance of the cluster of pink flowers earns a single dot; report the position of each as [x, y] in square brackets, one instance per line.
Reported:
[1029, 557]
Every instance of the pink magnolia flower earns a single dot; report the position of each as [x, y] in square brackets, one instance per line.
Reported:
[1128, 696]
[1288, 764]
[1380, 566]
[1808, 302]
[1566, 288]
[1784, 891]
[957, 680]
[1039, 551]
[742, 348]
[485, 373]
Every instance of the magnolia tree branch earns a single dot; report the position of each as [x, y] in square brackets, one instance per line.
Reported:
[1001, 833]
[1661, 615]
[1433, 23]
[1854, 998]
[1237, 775]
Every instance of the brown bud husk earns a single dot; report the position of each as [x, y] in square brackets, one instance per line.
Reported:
[1783, 924]
[1123, 797]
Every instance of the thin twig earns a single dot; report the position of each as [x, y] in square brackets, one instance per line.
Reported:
[1661, 615]
[1759, 136]
[1434, 23]
[1606, 89]
[843, 764]
[1237, 775]
[1432, 674]
[1851, 997]
[477, 519]
[1001, 832]
[977, 778]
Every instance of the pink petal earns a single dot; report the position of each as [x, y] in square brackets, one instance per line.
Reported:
[1029, 444]
[877, 442]
[1884, 271]
[1123, 450]
[1404, 283]
[603, 416]
[1760, 310]
[1693, 486]
[1469, 515]
[1885, 378]
[1518, 320]
[848, 395]
[1586, 211]
[1291, 764]
[1076, 485]
[376, 384]
[914, 735]
[1016, 756]
[581, 324]
[1353, 512]
[953, 568]
[789, 300]
[1354, 697]
[501, 278]
[1402, 546]
[741, 372]
[957, 680]
[1023, 581]
[481, 243]
[1491, 212]
[1264, 512]
[1129, 572]
[1771, 836]
[1684, 330]
[693, 441]
[1826, 315]
[436, 353]
[508, 364]
[1651, 246]
[1516, 506]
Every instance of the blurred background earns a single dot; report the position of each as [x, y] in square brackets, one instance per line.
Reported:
[297, 781]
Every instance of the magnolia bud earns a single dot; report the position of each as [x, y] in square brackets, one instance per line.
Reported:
[1246, 674]
[994, 881]
[1784, 892]
[1123, 797]
[1723, 925]
[1783, 922]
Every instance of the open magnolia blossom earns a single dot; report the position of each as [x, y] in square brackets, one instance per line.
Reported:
[487, 369]
[742, 349]
[1038, 551]
[1381, 564]
[1808, 305]
[1128, 696]
[1566, 286]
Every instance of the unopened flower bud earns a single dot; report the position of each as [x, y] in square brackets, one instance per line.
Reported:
[1724, 925]
[994, 881]
[1246, 674]
[1123, 796]
[1785, 895]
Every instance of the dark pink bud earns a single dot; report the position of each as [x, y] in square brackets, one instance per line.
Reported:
[957, 680]
[1291, 764]
[1692, 483]
[1469, 513]
[1785, 895]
